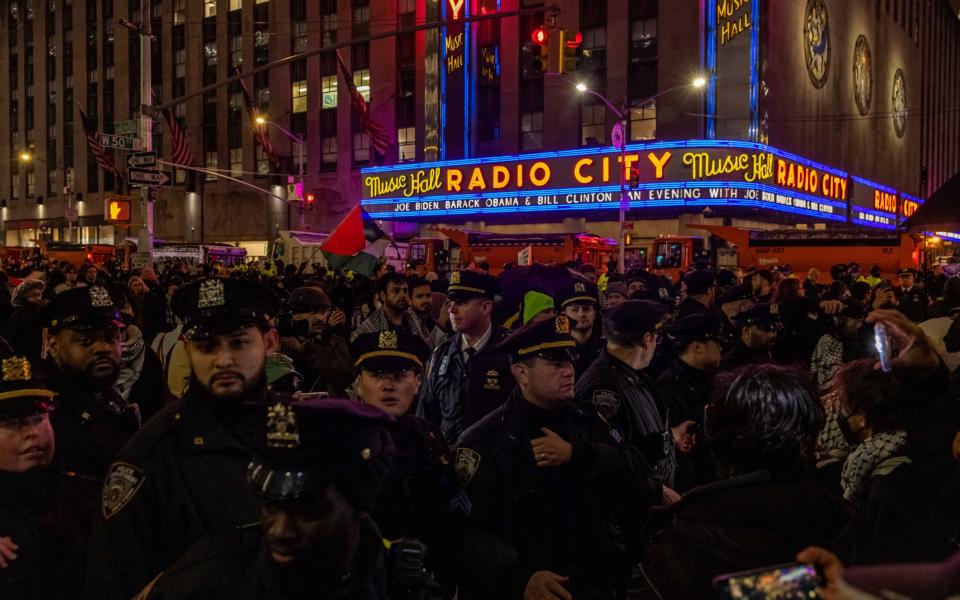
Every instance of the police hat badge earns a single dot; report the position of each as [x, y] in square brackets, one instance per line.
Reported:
[455, 277]
[388, 340]
[100, 297]
[211, 293]
[16, 369]
[282, 427]
[579, 287]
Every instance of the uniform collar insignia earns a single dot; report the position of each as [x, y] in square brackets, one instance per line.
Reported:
[774, 309]
[211, 294]
[99, 297]
[16, 369]
[388, 340]
[282, 427]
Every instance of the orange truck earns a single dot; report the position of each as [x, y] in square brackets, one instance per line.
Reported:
[461, 248]
[802, 249]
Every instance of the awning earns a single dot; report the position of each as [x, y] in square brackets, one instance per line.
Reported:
[941, 211]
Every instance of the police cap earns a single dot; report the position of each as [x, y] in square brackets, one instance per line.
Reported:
[389, 351]
[21, 394]
[465, 285]
[549, 339]
[635, 317]
[700, 282]
[764, 314]
[902, 272]
[581, 292]
[217, 306]
[309, 299]
[300, 448]
[697, 328]
[85, 308]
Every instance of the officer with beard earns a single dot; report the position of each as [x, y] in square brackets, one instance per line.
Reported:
[181, 477]
[83, 340]
[757, 328]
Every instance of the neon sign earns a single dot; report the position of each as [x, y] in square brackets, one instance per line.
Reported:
[731, 20]
[455, 7]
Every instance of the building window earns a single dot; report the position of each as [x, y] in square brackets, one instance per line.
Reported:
[330, 28]
[179, 12]
[211, 163]
[299, 37]
[593, 126]
[210, 54]
[236, 51]
[407, 143]
[361, 21]
[236, 4]
[31, 184]
[263, 163]
[179, 64]
[328, 150]
[236, 162]
[209, 8]
[643, 122]
[361, 79]
[361, 148]
[300, 96]
[531, 131]
[643, 58]
[329, 87]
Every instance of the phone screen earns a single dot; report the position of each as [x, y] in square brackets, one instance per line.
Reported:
[783, 582]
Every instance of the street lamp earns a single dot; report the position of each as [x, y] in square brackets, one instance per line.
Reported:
[697, 83]
[25, 157]
[298, 138]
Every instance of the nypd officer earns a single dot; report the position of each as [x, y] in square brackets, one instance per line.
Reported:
[316, 472]
[181, 477]
[581, 302]
[550, 498]
[419, 484]
[757, 329]
[911, 300]
[617, 387]
[83, 339]
[466, 378]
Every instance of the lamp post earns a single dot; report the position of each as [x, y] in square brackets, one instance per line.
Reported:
[26, 157]
[298, 138]
[621, 115]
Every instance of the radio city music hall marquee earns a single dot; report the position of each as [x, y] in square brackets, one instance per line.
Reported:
[671, 174]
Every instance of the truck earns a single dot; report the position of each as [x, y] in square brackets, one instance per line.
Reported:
[459, 248]
[294, 247]
[801, 249]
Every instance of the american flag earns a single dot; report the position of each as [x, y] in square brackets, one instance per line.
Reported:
[260, 132]
[93, 142]
[379, 138]
[182, 155]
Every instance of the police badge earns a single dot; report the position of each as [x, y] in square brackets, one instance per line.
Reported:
[211, 294]
[99, 297]
[455, 277]
[563, 324]
[388, 340]
[774, 308]
[607, 403]
[122, 484]
[579, 287]
[466, 465]
[282, 427]
[16, 369]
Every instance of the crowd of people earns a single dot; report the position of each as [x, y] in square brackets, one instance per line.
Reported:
[288, 431]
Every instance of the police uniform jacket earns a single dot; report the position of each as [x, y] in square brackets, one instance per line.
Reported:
[742, 355]
[91, 425]
[456, 395]
[575, 520]
[685, 391]
[48, 515]
[182, 477]
[587, 353]
[626, 399]
[913, 303]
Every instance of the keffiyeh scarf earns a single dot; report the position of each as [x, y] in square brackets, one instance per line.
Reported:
[865, 458]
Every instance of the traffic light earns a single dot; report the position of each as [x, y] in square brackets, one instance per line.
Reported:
[310, 198]
[531, 60]
[564, 51]
[540, 36]
[633, 177]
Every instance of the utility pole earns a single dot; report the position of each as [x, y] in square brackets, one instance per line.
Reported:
[144, 31]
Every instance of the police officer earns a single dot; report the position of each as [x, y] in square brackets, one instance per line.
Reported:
[181, 477]
[315, 474]
[580, 303]
[45, 514]
[548, 494]
[701, 287]
[83, 340]
[418, 487]
[466, 378]
[685, 389]
[617, 387]
[757, 329]
[912, 300]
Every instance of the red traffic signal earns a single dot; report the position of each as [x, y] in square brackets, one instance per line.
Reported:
[573, 39]
[310, 198]
[540, 36]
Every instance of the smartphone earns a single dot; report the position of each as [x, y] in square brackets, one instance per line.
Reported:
[792, 581]
[315, 396]
[882, 341]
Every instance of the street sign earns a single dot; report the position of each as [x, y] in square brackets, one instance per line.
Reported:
[131, 127]
[140, 260]
[142, 160]
[117, 210]
[628, 226]
[616, 136]
[150, 177]
[120, 142]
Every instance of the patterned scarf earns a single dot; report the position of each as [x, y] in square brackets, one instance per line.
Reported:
[865, 458]
[831, 444]
[131, 364]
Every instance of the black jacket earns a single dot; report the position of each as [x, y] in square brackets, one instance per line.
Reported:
[741, 523]
[626, 399]
[686, 391]
[913, 303]
[742, 356]
[455, 395]
[576, 520]
[182, 477]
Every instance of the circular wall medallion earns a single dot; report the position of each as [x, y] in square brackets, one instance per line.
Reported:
[862, 75]
[899, 103]
[816, 42]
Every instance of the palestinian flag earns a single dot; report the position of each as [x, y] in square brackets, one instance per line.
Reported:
[356, 244]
